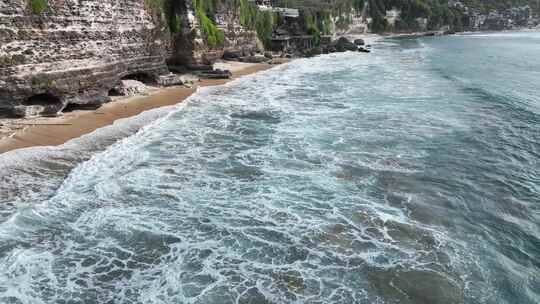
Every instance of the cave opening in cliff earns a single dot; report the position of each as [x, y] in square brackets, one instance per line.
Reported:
[71, 107]
[142, 77]
[114, 92]
[42, 100]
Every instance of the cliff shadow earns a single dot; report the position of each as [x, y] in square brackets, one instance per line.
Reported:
[45, 104]
[143, 77]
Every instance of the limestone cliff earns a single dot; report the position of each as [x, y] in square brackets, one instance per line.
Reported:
[190, 47]
[74, 51]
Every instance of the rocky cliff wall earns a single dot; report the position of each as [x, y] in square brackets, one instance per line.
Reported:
[75, 51]
[237, 38]
[190, 48]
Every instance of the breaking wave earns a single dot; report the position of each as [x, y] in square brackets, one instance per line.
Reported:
[347, 178]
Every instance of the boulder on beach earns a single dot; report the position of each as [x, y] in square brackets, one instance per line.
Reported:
[343, 44]
[216, 74]
[130, 87]
[188, 80]
[254, 59]
[359, 42]
[232, 55]
[364, 50]
[314, 51]
[169, 80]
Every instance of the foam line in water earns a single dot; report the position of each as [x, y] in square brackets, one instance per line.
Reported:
[344, 178]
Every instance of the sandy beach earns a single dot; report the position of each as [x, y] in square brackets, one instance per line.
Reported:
[51, 131]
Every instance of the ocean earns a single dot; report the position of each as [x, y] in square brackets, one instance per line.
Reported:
[407, 175]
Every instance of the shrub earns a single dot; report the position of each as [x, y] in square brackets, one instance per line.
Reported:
[264, 25]
[312, 28]
[38, 6]
[260, 21]
[174, 23]
[358, 5]
[173, 20]
[326, 24]
[248, 14]
[211, 33]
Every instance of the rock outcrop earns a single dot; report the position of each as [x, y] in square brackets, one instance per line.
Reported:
[359, 42]
[343, 44]
[75, 51]
[130, 87]
[191, 49]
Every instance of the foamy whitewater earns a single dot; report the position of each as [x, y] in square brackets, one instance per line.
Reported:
[408, 175]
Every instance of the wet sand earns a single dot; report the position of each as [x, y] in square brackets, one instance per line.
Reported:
[58, 130]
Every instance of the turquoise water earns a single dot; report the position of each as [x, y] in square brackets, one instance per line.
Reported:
[409, 175]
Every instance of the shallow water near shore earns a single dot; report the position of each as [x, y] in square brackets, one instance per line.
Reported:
[409, 175]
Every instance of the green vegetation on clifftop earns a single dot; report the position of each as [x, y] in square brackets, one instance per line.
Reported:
[260, 21]
[212, 35]
[174, 21]
[436, 12]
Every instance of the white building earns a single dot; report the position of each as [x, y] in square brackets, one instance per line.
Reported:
[392, 16]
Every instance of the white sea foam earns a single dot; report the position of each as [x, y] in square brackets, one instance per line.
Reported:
[531, 34]
[324, 180]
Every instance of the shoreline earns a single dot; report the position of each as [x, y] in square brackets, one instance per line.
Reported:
[55, 131]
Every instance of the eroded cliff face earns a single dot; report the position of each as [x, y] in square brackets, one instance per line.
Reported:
[191, 50]
[75, 51]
